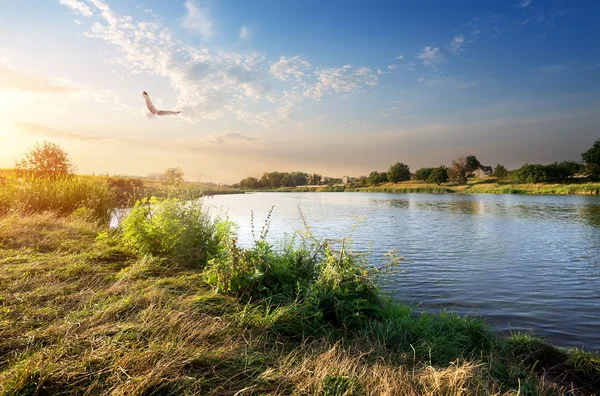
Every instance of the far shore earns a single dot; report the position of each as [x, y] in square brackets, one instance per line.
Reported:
[483, 186]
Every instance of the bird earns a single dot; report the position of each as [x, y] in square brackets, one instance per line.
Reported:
[153, 110]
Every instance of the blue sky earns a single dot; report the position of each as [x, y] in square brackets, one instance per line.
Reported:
[336, 87]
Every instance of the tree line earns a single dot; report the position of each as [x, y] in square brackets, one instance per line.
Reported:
[458, 172]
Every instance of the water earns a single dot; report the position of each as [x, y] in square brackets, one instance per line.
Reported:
[524, 262]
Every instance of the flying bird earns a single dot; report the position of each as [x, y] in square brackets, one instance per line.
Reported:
[153, 110]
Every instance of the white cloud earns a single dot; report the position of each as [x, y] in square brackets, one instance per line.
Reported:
[289, 68]
[431, 56]
[400, 57]
[212, 84]
[77, 7]
[245, 32]
[77, 21]
[198, 20]
[525, 3]
[457, 43]
[392, 67]
[342, 79]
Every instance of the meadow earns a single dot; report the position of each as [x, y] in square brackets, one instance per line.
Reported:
[169, 303]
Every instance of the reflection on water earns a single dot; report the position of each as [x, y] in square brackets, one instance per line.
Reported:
[525, 262]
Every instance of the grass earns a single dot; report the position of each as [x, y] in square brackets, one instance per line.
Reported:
[29, 194]
[474, 186]
[83, 311]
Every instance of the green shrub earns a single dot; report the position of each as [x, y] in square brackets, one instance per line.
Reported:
[178, 230]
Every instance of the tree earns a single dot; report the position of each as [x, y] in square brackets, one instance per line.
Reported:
[423, 173]
[46, 160]
[592, 161]
[500, 172]
[174, 176]
[314, 179]
[398, 172]
[459, 170]
[249, 182]
[376, 178]
[438, 175]
[472, 163]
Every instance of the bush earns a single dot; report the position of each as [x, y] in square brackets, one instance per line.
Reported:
[63, 196]
[500, 172]
[537, 173]
[327, 287]
[423, 173]
[438, 175]
[398, 172]
[175, 229]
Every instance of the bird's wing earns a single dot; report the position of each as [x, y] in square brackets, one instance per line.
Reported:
[167, 112]
[149, 103]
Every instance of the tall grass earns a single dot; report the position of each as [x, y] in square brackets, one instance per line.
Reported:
[83, 311]
[29, 194]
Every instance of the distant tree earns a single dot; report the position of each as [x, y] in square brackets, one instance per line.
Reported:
[362, 180]
[472, 163]
[174, 176]
[592, 161]
[500, 172]
[376, 178]
[398, 172]
[249, 182]
[314, 179]
[46, 160]
[459, 171]
[423, 173]
[438, 175]
[287, 180]
[299, 178]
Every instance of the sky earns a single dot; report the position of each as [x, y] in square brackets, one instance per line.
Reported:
[333, 87]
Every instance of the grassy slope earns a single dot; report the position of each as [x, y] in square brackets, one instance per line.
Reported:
[80, 314]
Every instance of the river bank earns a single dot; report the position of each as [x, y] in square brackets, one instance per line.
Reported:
[491, 186]
[140, 311]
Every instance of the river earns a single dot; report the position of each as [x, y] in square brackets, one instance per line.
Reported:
[524, 262]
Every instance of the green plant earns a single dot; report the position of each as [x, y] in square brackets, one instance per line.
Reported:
[180, 230]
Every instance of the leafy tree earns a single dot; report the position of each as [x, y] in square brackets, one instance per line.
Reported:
[287, 180]
[46, 160]
[376, 178]
[438, 175]
[423, 173]
[459, 170]
[398, 172]
[592, 161]
[472, 163]
[249, 182]
[299, 178]
[314, 179]
[174, 176]
[500, 172]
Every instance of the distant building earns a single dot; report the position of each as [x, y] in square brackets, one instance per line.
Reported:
[325, 180]
[348, 179]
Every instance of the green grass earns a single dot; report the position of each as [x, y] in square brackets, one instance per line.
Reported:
[86, 311]
[64, 196]
[475, 186]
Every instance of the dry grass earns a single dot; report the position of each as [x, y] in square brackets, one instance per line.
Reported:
[80, 315]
